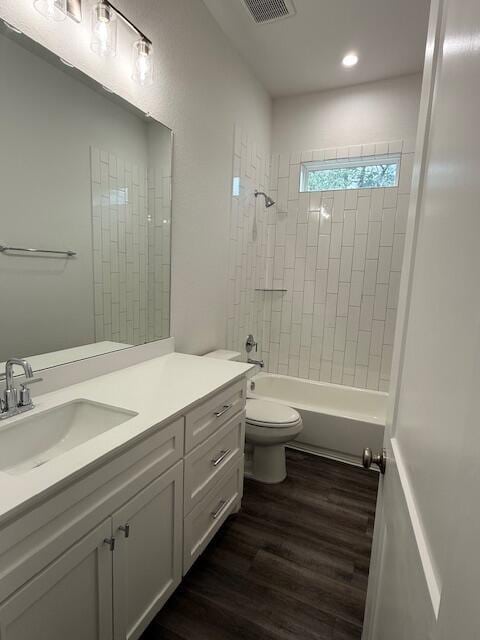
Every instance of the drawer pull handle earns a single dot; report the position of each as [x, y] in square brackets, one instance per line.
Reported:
[223, 410]
[221, 457]
[219, 510]
[126, 530]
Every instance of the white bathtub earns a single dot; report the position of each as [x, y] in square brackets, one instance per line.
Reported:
[338, 421]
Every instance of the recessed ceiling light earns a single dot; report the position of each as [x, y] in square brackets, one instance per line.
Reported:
[350, 60]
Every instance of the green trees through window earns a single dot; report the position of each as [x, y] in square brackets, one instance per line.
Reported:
[331, 176]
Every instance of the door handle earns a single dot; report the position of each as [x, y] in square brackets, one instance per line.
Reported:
[380, 459]
[126, 530]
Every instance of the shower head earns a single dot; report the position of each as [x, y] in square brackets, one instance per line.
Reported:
[268, 201]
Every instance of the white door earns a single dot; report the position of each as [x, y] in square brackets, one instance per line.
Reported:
[148, 553]
[425, 572]
[71, 598]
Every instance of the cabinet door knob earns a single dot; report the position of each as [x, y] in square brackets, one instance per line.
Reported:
[126, 529]
[110, 542]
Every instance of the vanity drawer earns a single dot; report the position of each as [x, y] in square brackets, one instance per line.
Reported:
[209, 461]
[205, 419]
[208, 516]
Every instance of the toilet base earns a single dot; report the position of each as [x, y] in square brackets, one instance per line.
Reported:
[269, 464]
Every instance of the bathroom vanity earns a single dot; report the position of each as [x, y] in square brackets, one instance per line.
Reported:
[96, 537]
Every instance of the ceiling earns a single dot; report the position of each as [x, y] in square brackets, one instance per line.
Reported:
[303, 53]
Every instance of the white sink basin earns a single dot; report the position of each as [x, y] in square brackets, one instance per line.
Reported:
[31, 441]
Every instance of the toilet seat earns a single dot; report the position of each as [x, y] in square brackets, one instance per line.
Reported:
[268, 415]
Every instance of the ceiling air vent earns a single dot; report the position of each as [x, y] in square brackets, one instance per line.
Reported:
[269, 10]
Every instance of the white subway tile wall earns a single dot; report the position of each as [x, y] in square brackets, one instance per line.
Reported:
[249, 262]
[338, 254]
[131, 250]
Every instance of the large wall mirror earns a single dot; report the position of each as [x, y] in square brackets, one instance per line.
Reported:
[85, 213]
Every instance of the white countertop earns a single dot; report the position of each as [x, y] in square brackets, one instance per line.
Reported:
[158, 390]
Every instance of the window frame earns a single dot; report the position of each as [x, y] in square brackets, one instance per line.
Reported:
[348, 163]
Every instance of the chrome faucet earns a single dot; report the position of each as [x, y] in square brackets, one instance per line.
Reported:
[251, 344]
[15, 401]
[259, 363]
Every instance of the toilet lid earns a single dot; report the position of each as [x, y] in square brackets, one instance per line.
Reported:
[264, 413]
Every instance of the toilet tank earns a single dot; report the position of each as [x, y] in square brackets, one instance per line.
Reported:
[223, 354]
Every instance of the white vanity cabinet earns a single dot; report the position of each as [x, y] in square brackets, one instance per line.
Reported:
[147, 559]
[71, 598]
[98, 559]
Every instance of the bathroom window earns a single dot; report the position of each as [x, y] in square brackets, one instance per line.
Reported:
[352, 173]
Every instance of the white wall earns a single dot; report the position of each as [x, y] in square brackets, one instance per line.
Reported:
[202, 88]
[364, 113]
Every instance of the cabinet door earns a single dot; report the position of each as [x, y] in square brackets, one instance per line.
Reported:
[71, 599]
[148, 553]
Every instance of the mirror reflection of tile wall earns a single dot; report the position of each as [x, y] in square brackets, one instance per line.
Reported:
[131, 249]
[119, 218]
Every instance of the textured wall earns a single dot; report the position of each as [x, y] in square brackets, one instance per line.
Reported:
[384, 110]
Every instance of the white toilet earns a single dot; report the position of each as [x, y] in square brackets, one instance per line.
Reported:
[269, 426]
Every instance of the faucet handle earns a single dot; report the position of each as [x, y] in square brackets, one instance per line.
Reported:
[250, 343]
[24, 397]
[10, 399]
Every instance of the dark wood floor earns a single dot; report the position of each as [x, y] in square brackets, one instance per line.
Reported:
[292, 565]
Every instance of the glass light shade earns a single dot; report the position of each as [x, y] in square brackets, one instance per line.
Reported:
[143, 62]
[104, 30]
[52, 9]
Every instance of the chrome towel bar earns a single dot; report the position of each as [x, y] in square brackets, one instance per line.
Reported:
[68, 253]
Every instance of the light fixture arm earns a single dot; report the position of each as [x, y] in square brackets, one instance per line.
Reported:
[126, 21]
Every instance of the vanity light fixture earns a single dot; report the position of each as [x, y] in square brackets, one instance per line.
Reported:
[104, 40]
[143, 62]
[104, 30]
[350, 60]
[55, 10]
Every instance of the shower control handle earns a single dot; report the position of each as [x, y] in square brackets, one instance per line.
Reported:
[380, 459]
[250, 343]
